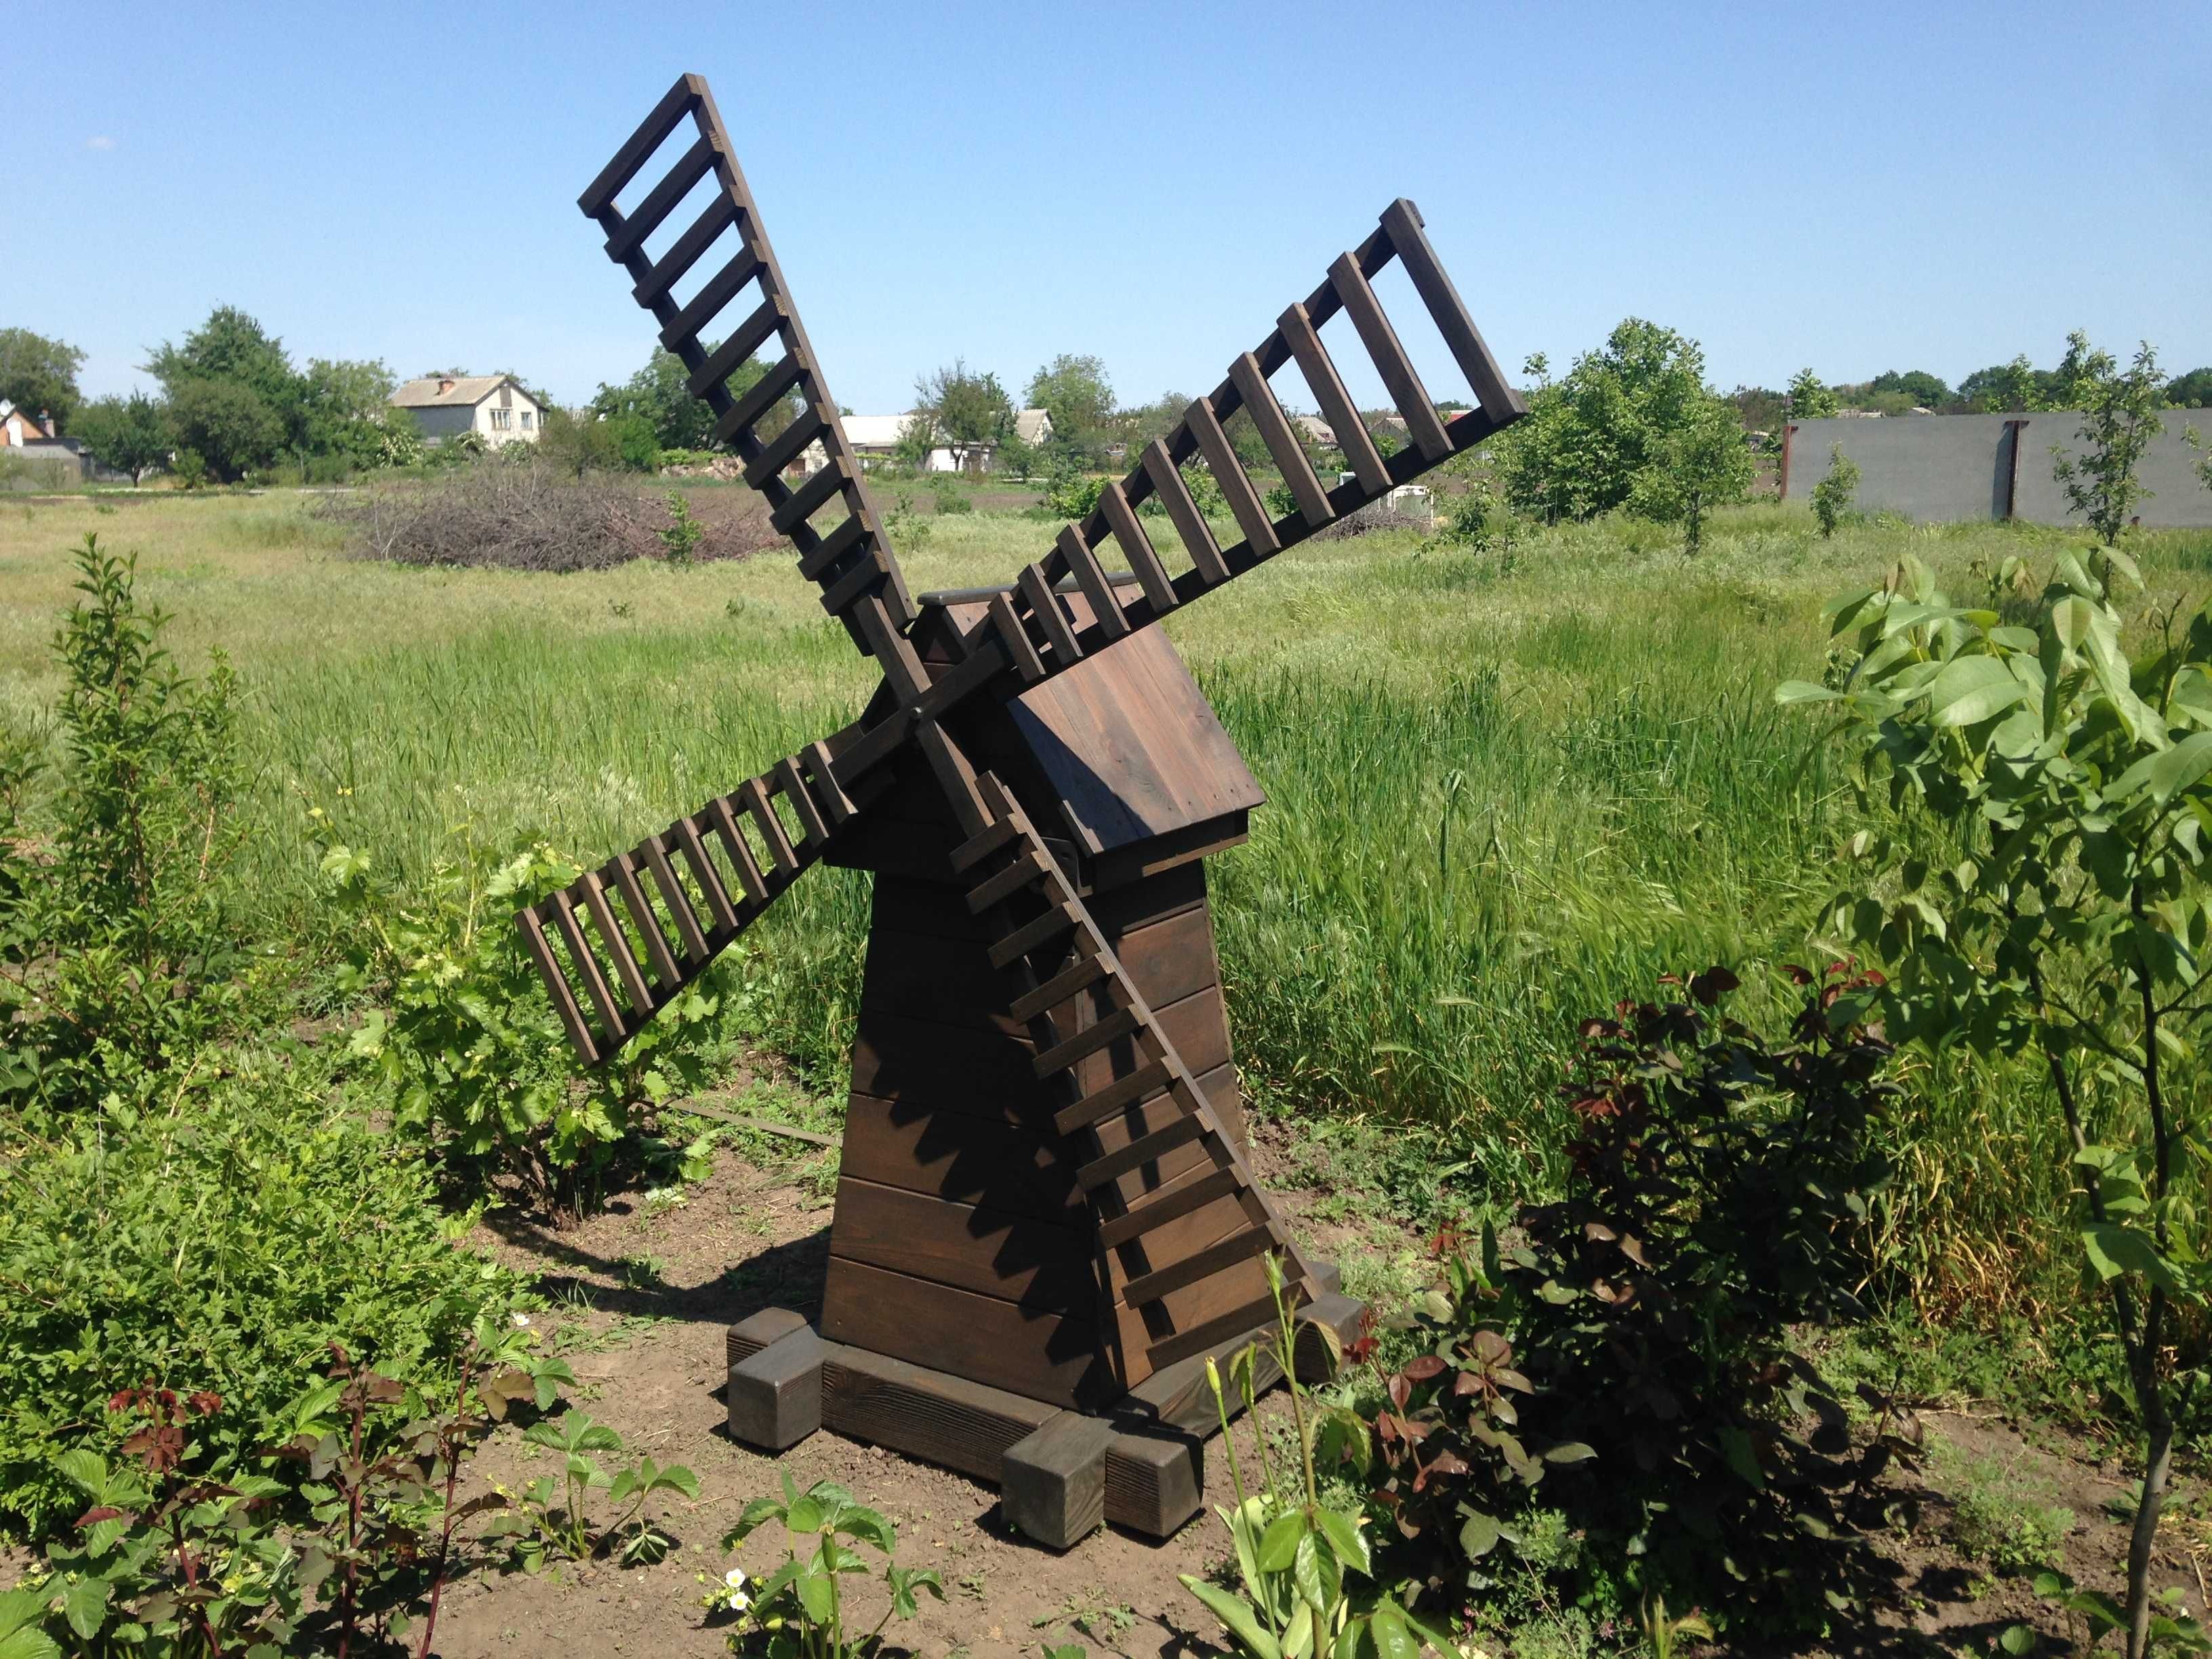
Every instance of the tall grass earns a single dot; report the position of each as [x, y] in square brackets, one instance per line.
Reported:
[1501, 797]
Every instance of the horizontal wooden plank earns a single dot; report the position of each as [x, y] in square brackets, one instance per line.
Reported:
[925, 1413]
[1044, 1356]
[973, 1070]
[1012, 1257]
[1122, 1024]
[1197, 1027]
[678, 102]
[1167, 1204]
[997, 1165]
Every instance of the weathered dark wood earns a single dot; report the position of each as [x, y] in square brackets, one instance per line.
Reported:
[1190, 1269]
[1229, 473]
[1046, 1356]
[775, 1396]
[1016, 638]
[1120, 1024]
[1337, 408]
[1053, 923]
[924, 1412]
[747, 337]
[1013, 1257]
[1121, 1092]
[1190, 524]
[1052, 1482]
[1137, 547]
[1044, 605]
[1082, 565]
[750, 1335]
[654, 850]
[1145, 1149]
[1402, 222]
[1282, 442]
[811, 823]
[684, 253]
[1155, 1479]
[1003, 1166]
[556, 984]
[1225, 1326]
[716, 293]
[1391, 362]
[678, 102]
[622, 872]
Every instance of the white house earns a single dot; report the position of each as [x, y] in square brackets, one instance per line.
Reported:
[493, 406]
[877, 437]
[18, 427]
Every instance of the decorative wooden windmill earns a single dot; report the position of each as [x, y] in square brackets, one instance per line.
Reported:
[1045, 1215]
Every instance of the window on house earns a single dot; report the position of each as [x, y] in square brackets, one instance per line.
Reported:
[525, 420]
[502, 419]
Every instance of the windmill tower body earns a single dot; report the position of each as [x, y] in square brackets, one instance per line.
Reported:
[1047, 1220]
[960, 1241]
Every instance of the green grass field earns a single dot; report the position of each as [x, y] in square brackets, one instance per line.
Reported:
[1500, 799]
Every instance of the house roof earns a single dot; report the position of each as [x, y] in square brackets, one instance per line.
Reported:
[1032, 426]
[450, 392]
[1316, 430]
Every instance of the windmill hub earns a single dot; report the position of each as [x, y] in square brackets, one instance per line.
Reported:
[1046, 1218]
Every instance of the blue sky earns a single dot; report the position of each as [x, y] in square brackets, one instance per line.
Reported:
[1857, 187]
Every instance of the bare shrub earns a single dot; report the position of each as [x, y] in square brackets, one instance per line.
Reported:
[528, 516]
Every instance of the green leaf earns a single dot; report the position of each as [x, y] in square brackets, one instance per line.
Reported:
[1278, 1544]
[2114, 1248]
[2018, 1639]
[1479, 1534]
[817, 1595]
[1573, 1451]
[1237, 1616]
[1971, 689]
[2070, 619]
[1796, 691]
[1344, 1538]
[84, 1604]
[804, 1515]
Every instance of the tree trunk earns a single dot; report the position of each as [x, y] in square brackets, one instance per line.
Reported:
[2158, 1438]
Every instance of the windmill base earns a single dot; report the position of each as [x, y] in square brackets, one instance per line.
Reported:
[1138, 1464]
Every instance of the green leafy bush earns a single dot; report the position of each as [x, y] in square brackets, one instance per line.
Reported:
[479, 1067]
[116, 954]
[798, 1611]
[1831, 496]
[219, 1242]
[1638, 1326]
[950, 500]
[1069, 494]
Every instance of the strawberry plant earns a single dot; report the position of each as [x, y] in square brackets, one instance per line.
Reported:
[798, 1611]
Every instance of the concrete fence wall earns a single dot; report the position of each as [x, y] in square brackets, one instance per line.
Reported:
[1989, 466]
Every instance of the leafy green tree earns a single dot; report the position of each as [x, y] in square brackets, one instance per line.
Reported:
[2119, 418]
[2016, 387]
[1924, 390]
[1592, 437]
[1810, 400]
[2190, 390]
[1702, 462]
[1760, 408]
[131, 434]
[229, 425]
[1831, 496]
[1077, 395]
[37, 373]
[579, 445]
[344, 411]
[964, 409]
[659, 394]
[232, 349]
[2034, 875]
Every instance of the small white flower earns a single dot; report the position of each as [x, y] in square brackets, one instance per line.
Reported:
[735, 1578]
[521, 1321]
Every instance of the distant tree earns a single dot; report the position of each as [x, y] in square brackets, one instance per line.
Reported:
[131, 434]
[1760, 408]
[1831, 496]
[1700, 462]
[233, 347]
[2016, 387]
[346, 409]
[2119, 418]
[659, 394]
[579, 445]
[2190, 390]
[38, 375]
[1076, 392]
[964, 409]
[1810, 400]
[1155, 420]
[1592, 437]
[1922, 389]
[228, 425]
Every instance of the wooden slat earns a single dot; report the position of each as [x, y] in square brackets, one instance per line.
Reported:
[1137, 548]
[1402, 222]
[1016, 638]
[720, 288]
[1157, 1213]
[1082, 565]
[785, 447]
[759, 398]
[822, 771]
[821, 487]
[819, 560]
[1122, 1022]
[1057, 989]
[684, 253]
[811, 821]
[1229, 472]
[641, 220]
[1391, 362]
[754, 794]
[1282, 442]
[624, 872]
[1139, 1152]
[1238, 1321]
[867, 574]
[588, 967]
[1032, 867]
[739, 345]
[678, 902]
[973, 851]
[675, 104]
[1044, 604]
[557, 988]
[1122, 1091]
[1241, 1246]
[1182, 513]
[724, 825]
[610, 930]
[1060, 920]
[1363, 460]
